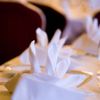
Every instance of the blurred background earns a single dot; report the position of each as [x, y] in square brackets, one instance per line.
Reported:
[20, 18]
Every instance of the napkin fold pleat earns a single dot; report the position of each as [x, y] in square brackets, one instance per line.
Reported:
[33, 58]
[56, 37]
[93, 30]
[72, 81]
[62, 68]
[52, 58]
[42, 38]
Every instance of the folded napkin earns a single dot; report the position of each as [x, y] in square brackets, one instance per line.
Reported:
[50, 73]
[89, 42]
[93, 30]
[42, 46]
[51, 54]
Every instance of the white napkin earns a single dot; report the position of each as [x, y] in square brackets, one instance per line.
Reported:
[42, 45]
[52, 77]
[52, 56]
[89, 42]
[42, 39]
[33, 58]
[53, 60]
[93, 30]
[52, 64]
[32, 88]
[55, 66]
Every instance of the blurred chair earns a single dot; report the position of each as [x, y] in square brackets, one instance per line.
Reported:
[55, 15]
[18, 22]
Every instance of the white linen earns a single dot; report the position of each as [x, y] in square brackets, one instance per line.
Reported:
[51, 77]
[32, 88]
[93, 30]
[90, 42]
